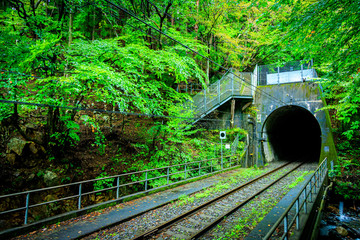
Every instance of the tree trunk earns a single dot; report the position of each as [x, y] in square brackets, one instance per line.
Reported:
[93, 28]
[70, 26]
[208, 62]
[196, 27]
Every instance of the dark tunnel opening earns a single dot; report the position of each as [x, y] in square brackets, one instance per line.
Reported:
[294, 134]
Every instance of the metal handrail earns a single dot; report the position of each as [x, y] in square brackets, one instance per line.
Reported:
[219, 91]
[307, 192]
[114, 176]
[232, 161]
[290, 72]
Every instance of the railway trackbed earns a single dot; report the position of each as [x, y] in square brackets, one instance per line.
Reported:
[199, 218]
[209, 214]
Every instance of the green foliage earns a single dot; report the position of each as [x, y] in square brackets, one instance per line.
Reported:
[346, 175]
[103, 183]
[67, 137]
[299, 179]
[99, 136]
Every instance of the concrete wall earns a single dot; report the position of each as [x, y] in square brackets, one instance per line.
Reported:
[223, 115]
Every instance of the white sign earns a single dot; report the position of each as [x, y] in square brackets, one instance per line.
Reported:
[227, 146]
[222, 135]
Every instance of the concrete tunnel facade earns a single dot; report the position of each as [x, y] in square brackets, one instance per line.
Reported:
[293, 127]
[292, 133]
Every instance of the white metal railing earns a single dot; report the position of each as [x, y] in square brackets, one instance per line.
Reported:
[300, 205]
[289, 72]
[238, 84]
[171, 175]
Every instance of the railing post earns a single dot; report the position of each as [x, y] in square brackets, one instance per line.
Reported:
[199, 168]
[302, 73]
[185, 170]
[205, 100]
[219, 99]
[118, 188]
[286, 227]
[232, 83]
[146, 180]
[305, 201]
[318, 179]
[27, 208]
[297, 215]
[168, 176]
[310, 193]
[221, 156]
[79, 201]
[321, 171]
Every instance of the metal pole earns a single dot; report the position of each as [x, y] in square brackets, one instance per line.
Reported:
[302, 73]
[185, 170]
[219, 99]
[286, 227]
[199, 167]
[27, 208]
[168, 175]
[221, 156]
[297, 215]
[146, 180]
[305, 201]
[117, 189]
[79, 202]
[310, 193]
[232, 83]
[205, 99]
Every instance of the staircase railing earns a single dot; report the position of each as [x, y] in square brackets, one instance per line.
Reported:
[217, 93]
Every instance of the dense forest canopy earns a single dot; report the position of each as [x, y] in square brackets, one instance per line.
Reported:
[130, 55]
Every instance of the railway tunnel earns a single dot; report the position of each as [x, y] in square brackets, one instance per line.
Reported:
[291, 133]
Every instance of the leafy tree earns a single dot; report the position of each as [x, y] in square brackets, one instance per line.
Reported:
[327, 31]
[121, 73]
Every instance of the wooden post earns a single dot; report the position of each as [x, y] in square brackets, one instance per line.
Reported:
[232, 113]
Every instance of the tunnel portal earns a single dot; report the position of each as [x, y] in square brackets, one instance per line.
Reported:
[292, 133]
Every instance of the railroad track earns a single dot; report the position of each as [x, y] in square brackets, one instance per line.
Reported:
[199, 220]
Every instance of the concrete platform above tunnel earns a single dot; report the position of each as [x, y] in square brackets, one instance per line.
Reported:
[291, 125]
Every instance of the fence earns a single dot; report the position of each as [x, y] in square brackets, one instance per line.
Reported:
[86, 191]
[290, 219]
[289, 72]
[190, 88]
[227, 87]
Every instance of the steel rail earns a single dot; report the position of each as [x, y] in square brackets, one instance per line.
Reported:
[177, 219]
[307, 190]
[204, 230]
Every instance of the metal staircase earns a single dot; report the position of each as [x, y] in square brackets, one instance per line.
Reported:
[233, 84]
